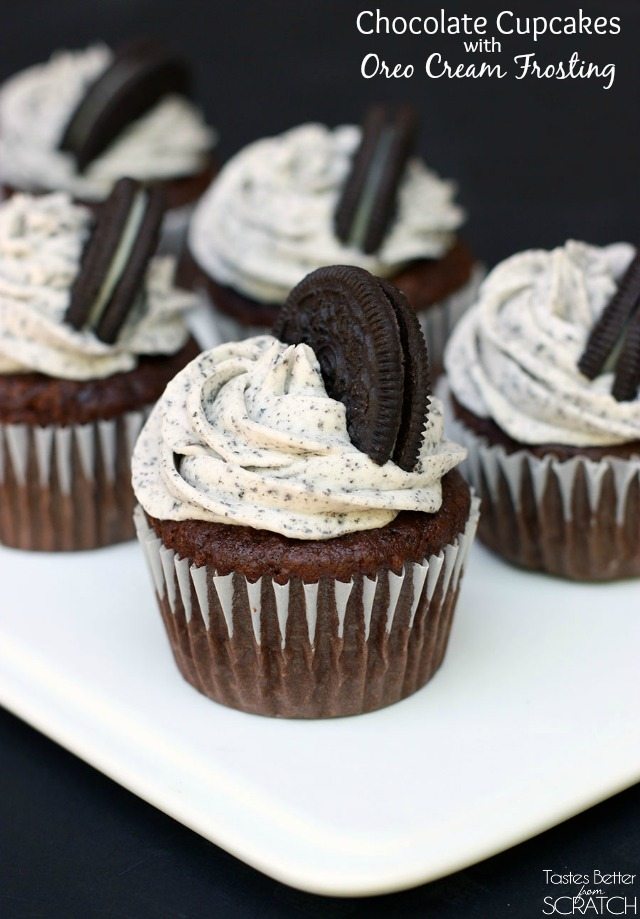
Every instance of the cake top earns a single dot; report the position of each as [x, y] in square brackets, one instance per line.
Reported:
[247, 434]
[270, 216]
[42, 243]
[517, 355]
[83, 119]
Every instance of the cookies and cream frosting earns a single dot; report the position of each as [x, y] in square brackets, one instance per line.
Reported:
[246, 434]
[514, 356]
[41, 244]
[169, 141]
[269, 217]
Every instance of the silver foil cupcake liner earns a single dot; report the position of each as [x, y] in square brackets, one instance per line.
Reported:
[577, 518]
[307, 650]
[67, 487]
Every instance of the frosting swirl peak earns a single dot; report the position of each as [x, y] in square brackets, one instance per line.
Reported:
[169, 141]
[246, 434]
[514, 356]
[41, 244]
[268, 219]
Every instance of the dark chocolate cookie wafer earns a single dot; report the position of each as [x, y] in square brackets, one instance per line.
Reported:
[125, 292]
[100, 250]
[372, 356]
[139, 75]
[627, 379]
[610, 328]
[116, 256]
[368, 201]
[416, 380]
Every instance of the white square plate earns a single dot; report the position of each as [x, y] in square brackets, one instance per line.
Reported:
[532, 718]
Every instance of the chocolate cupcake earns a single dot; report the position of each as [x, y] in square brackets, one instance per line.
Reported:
[79, 370]
[84, 119]
[296, 575]
[548, 406]
[317, 196]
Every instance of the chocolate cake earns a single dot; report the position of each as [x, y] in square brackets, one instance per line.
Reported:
[306, 535]
[425, 283]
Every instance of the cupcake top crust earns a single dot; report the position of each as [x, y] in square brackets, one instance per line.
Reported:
[42, 240]
[169, 141]
[247, 435]
[269, 217]
[515, 356]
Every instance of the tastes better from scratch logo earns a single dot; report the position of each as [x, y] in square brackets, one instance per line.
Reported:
[600, 893]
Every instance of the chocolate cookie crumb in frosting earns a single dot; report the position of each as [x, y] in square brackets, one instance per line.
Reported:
[615, 338]
[514, 357]
[42, 240]
[269, 217]
[247, 435]
[168, 143]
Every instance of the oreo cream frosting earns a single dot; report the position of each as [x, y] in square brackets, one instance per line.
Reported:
[41, 244]
[514, 356]
[169, 141]
[268, 219]
[247, 435]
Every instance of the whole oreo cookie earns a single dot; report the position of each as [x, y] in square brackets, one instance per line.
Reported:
[115, 259]
[367, 205]
[416, 383]
[140, 74]
[372, 355]
[615, 337]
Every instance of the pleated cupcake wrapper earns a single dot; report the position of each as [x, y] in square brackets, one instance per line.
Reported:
[436, 322]
[67, 487]
[439, 320]
[298, 649]
[577, 518]
[175, 225]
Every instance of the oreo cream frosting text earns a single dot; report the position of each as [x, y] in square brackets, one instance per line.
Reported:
[246, 434]
[514, 356]
[41, 243]
[268, 219]
[171, 140]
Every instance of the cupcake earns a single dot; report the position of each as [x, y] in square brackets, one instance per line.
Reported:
[84, 119]
[317, 196]
[91, 331]
[543, 386]
[304, 523]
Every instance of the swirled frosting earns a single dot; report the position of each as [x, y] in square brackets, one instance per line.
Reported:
[268, 218]
[514, 356]
[169, 141]
[41, 242]
[246, 434]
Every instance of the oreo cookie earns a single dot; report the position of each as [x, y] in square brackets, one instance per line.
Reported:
[372, 355]
[140, 74]
[615, 338]
[368, 202]
[115, 259]
[627, 378]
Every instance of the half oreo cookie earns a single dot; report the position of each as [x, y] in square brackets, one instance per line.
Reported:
[372, 355]
[115, 259]
[140, 74]
[368, 202]
[615, 338]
